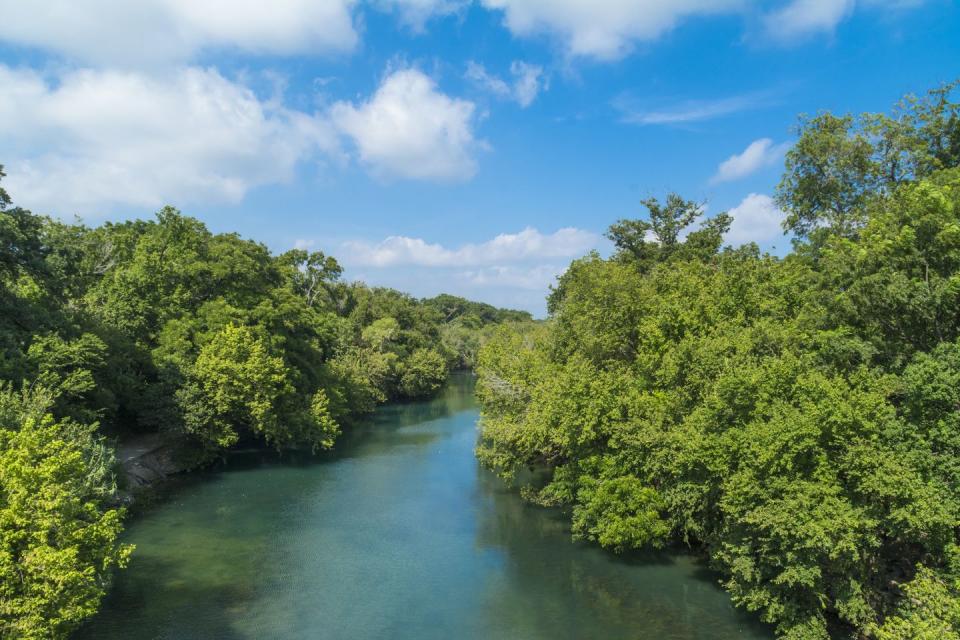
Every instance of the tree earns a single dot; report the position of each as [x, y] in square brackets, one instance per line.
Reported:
[896, 283]
[4, 198]
[664, 236]
[829, 175]
[234, 383]
[422, 374]
[58, 536]
[840, 163]
[315, 277]
[928, 610]
[795, 418]
[620, 513]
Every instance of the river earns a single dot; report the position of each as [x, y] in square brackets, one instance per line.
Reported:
[396, 534]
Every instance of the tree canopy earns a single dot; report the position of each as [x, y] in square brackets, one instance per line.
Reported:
[794, 419]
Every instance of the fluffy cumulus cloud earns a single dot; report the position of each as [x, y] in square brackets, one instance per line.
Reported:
[410, 129]
[602, 29]
[525, 246]
[90, 138]
[756, 219]
[527, 81]
[121, 33]
[759, 154]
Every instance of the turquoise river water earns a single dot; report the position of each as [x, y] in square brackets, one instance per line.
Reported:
[396, 534]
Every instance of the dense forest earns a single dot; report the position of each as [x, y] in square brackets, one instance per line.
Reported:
[164, 327]
[797, 418]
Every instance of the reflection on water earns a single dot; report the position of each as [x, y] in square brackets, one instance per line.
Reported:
[396, 534]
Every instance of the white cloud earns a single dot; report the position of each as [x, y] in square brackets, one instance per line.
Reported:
[409, 129]
[894, 5]
[801, 18]
[755, 219]
[603, 29]
[528, 81]
[91, 139]
[533, 278]
[479, 75]
[88, 140]
[121, 33]
[511, 269]
[760, 153]
[686, 111]
[524, 246]
[416, 13]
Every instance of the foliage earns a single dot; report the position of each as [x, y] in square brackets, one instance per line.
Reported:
[793, 418]
[620, 513]
[929, 610]
[234, 383]
[424, 372]
[58, 537]
[473, 314]
[840, 163]
[658, 240]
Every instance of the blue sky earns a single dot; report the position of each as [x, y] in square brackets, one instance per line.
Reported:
[440, 145]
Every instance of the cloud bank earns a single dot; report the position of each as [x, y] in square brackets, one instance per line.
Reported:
[88, 139]
[602, 29]
[510, 269]
[527, 245]
[127, 34]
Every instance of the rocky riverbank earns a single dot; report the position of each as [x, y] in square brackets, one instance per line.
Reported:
[146, 462]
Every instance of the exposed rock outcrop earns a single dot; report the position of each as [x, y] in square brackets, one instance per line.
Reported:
[146, 461]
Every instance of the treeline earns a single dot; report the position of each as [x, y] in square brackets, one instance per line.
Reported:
[796, 419]
[162, 326]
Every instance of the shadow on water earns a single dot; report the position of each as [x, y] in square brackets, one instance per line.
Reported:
[382, 432]
[134, 596]
[556, 587]
[396, 534]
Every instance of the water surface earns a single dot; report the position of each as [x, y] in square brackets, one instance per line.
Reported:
[397, 534]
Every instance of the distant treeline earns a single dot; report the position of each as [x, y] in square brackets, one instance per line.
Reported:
[162, 326]
[797, 419]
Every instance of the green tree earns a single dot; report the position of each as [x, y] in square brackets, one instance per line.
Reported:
[58, 536]
[839, 164]
[422, 374]
[5, 200]
[234, 384]
[315, 277]
[929, 610]
[794, 418]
